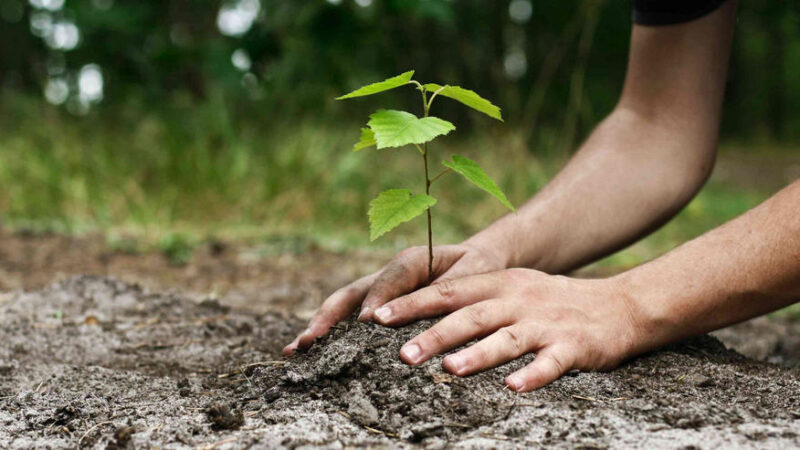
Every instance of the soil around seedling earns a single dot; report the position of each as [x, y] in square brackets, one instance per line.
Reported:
[96, 362]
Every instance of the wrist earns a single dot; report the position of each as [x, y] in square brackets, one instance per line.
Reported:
[494, 245]
[647, 304]
[503, 240]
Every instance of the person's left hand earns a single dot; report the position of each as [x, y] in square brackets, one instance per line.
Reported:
[570, 324]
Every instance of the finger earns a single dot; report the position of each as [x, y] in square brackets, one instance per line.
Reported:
[439, 298]
[466, 266]
[459, 327]
[549, 365]
[407, 271]
[289, 349]
[337, 307]
[503, 345]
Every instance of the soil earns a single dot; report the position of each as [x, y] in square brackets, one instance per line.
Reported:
[97, 362]
[262, 276]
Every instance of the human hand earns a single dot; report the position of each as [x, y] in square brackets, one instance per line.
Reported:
[569, 323]
[405, 273]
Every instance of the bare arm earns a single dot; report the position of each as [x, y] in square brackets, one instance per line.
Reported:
[743, 269]
[642, 164]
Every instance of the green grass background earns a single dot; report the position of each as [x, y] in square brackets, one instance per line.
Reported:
[180, 177]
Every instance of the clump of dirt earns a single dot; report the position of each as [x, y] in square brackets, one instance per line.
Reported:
[222, 417]
[166, 370]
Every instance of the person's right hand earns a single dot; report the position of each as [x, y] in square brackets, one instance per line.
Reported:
[404, 274]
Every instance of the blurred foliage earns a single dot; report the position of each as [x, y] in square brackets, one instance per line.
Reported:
[555, 67]
[177, 248]
[200, 132]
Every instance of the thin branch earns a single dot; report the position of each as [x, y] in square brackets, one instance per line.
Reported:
[424, 97]
[430, 101]
[440, 174]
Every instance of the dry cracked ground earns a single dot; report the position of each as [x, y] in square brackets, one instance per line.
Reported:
[93, 361]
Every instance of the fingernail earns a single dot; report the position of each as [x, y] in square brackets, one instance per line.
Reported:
[412, 353]
[515, 382]
[457, 363]
[383, 313]
[364, 314]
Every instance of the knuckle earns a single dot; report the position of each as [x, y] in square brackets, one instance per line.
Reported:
[474, 316]
[514, 339]
[477, 356]
[411, 301]
[445, 289]
[436, 338]
[560, 281]
[395, 269]
[560, 362]
[410, 253]
[515, 275]
[348, 292]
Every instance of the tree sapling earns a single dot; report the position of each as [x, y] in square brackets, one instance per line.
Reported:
[391, 128]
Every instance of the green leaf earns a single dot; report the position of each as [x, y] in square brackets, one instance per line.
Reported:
[384, 85]
[474, 174]
[398, 128]
[467, 97]
[367, 140]
[393, 207]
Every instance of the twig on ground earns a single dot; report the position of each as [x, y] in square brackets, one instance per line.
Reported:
[458, 425]
[377, 431]
[217, 444]
[588, 399]
[205, 320]
[97, 425]
[598, 400]
[499, 437]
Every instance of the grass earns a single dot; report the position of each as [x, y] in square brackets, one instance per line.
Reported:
[173, 179]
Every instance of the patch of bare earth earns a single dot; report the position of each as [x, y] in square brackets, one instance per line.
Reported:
[96, 362]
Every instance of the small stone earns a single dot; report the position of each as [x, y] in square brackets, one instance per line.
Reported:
[698, 380]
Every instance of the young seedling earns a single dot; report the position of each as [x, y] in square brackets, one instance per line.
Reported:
[391, 128]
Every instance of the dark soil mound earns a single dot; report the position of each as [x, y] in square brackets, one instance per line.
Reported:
[96, 362]
[690, 394]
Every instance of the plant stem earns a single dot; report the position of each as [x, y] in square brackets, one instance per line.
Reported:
[426, 106]
[430, 229]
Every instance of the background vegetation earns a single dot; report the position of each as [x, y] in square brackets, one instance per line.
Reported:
[176, 121]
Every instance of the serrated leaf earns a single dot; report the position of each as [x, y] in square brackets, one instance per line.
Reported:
[467, 97]
[385, 85]
[367, 140]
[474, 174]
[394, 128]
[393, 207]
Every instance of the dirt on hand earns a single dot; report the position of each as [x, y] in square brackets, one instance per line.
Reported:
[156, 370]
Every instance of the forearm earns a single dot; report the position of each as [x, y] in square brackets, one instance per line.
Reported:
[746, 268]
[642, 164]
[629, 177]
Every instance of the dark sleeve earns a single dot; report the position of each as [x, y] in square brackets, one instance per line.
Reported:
[668, 12]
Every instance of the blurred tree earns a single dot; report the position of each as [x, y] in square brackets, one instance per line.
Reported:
[554, 67]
